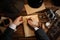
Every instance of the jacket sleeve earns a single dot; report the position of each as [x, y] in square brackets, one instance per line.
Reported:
[41, 35]
[7, 34]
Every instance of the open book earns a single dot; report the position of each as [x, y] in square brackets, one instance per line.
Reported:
[28, 32]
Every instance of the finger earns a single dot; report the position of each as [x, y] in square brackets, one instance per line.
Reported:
[19, 17]
[29, 22]
[21, 22]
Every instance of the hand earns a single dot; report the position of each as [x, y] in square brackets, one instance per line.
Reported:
[33, 23]
[18, 21]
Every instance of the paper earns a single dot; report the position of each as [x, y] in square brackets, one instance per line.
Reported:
[28, 32]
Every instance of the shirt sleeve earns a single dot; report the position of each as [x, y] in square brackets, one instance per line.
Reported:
[13, 26]
[36, 28]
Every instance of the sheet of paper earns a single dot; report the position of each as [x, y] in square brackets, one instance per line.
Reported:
[28, 32]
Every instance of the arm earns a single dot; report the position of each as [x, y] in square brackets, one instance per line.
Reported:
[10, 30]
[40, 34]
[7, 34]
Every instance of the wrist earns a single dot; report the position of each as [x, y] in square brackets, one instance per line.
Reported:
[36, 28]
[14, 23]
[13, 26]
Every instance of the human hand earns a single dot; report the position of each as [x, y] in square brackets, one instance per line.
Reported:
[18, 21]
[32, 23]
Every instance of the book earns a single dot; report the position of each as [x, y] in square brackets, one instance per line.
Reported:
[28, 32]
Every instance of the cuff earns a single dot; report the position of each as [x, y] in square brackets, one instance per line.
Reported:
[36, 28]
[13, 26]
